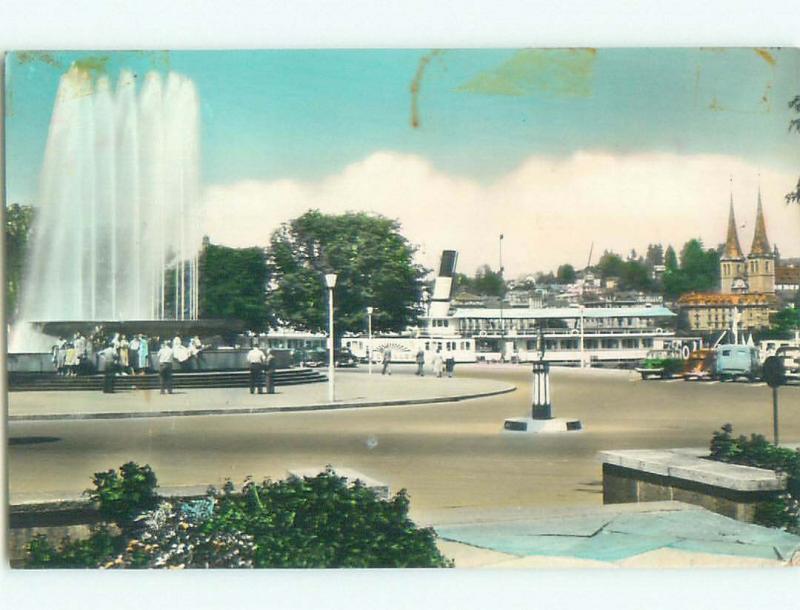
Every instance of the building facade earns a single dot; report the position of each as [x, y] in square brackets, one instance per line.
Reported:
[572, 335]
[746, 299]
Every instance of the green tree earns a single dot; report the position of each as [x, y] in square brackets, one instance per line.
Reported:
[374, 264]
[670, 259]
[786, 321]
[654, 256]
[610, 265]
[489, 282]
[698, 271]
[701, 267]
[635, 276]
[545, 279]
[463, 282]
[794, 125]
[566, 274]
[233, 284]
[19, 220]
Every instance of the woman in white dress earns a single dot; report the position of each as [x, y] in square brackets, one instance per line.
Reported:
[438, 362]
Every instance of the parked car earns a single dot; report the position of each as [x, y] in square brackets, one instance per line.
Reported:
[734, 361]
[701, 365]
[344, 358]
[661, 363]
[791, 361]
[341, 358]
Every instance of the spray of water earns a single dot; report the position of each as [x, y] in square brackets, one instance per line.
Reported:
[117, 229]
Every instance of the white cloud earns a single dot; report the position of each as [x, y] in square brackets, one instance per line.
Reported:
[550, 210]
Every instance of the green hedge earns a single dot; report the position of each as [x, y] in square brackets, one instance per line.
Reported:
[784, 511]
[310, 522]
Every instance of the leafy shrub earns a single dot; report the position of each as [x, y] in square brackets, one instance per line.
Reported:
[87, 553]
[121, 495]
[756, 451]
[313, 522]
[322, 522]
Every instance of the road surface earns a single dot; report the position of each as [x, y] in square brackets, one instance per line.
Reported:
[445, 455]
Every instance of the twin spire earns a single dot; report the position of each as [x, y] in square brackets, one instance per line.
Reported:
[732, 247]
[760, 246]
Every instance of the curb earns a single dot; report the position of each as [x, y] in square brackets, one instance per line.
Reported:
[256, 410]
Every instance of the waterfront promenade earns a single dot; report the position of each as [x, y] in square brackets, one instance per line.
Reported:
[449, 451]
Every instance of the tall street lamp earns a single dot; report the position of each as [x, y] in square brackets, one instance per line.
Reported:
[369, 344]
[502, 295]
[583, 355]
[330, 282]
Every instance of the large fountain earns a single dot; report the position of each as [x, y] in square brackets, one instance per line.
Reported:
[117, 229]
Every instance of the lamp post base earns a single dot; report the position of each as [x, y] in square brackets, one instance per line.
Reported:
[529, 425]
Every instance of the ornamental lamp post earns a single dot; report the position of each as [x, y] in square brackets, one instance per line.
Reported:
[369, 344]
[330, 282]
[541, 419]
[541, 407]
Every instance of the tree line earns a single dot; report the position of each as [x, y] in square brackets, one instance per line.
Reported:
[283, 285]
[696, 269]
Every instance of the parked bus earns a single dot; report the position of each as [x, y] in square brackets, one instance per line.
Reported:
[734, 361]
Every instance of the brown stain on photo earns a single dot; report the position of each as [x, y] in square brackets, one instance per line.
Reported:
[29, 57]
[416, 85]
[763, 103]
[766, 56]
[93, 64]
[551, 72]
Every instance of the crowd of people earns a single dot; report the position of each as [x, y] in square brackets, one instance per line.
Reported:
[117, 354]
[444, 363]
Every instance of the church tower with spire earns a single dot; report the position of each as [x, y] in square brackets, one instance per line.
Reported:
[733, 274]
[761, 260]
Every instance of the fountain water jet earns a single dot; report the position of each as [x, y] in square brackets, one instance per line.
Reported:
[118, 226]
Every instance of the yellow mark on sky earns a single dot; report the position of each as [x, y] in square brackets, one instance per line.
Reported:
[556, 72]
[96, 64]
[28, 57]
[766, 56]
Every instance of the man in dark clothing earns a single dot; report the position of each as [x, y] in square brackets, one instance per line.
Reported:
[165, 368]
[271, 365]
[256, 360]
[421, 363]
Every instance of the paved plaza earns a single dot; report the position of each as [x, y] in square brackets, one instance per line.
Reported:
[451, 456]
[352, 391]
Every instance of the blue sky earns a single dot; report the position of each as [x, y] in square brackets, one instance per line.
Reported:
[557, 149]
[304, 114]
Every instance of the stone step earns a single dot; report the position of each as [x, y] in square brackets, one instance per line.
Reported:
[30, 382]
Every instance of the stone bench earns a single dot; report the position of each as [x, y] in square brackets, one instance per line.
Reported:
[687, 475]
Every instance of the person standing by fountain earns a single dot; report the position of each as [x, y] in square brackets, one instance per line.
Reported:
[256, 359]
[144, 354]
[124, 355]
[60, 355]
[270, 366]
[165, 367]
[80, 353]
[133, 353]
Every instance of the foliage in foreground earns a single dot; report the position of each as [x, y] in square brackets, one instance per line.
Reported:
[784, 511]
[313, 522]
